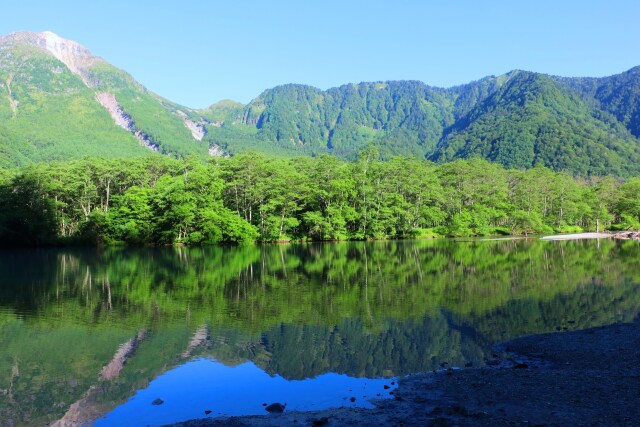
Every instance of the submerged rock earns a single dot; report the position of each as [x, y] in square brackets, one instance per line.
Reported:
[276, 408]
[157, 401]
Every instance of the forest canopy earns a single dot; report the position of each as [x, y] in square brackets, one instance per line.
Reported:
[251, 197]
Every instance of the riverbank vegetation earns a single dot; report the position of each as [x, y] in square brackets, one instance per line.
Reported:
[251, 197]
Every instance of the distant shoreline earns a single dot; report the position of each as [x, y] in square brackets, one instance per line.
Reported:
[586, 377]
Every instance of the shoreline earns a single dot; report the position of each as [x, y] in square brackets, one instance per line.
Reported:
[586, 377]
[579, 236]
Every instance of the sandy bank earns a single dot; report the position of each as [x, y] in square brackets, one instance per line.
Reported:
[578, 236]
[589, 377]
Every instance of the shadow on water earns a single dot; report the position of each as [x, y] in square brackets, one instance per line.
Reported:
[83, 331]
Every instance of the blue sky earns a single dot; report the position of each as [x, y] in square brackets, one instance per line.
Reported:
[197, 52]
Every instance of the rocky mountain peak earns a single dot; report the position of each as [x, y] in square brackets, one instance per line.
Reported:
[76, 57]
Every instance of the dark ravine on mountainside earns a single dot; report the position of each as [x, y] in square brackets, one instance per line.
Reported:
[61, 102]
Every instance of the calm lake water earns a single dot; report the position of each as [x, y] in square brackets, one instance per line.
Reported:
[95, 336]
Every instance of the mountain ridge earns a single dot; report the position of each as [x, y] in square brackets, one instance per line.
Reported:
[58, 100]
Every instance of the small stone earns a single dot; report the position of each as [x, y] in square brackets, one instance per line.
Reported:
[157, 401]
[393, 383]
[264, 404]
[352, 399]
[207, 412]
[276, 408]
[386, 387]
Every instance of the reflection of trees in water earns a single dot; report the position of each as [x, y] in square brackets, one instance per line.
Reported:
[256, 287]
[364, 309]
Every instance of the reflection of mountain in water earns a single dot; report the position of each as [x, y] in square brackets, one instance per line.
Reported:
[362, 309]
[399, 348]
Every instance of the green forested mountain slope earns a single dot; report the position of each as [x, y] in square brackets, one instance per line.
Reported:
[533, 120]
[404, 117]
[58, 101]
[51, 91]
[618, 95]
[520, 119]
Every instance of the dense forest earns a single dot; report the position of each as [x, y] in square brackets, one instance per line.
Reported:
[158, 200]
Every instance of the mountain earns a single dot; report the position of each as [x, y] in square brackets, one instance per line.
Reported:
[532, 119]
[520, 119]
[618, 95]
[404, 117]
[58, 101]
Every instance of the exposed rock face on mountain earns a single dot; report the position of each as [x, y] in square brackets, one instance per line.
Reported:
[197, 128]
[75, 56]
[122, 119]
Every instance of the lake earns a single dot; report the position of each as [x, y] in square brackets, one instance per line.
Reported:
[121, 336]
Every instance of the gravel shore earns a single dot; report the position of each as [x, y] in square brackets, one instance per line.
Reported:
[589, 378]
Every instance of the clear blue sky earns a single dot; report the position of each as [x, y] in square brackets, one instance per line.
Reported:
[197, 52]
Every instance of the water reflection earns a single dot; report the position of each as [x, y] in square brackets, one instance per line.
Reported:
[81, 331]
[207, 385]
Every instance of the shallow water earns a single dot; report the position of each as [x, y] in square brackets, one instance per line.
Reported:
[96, 335]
